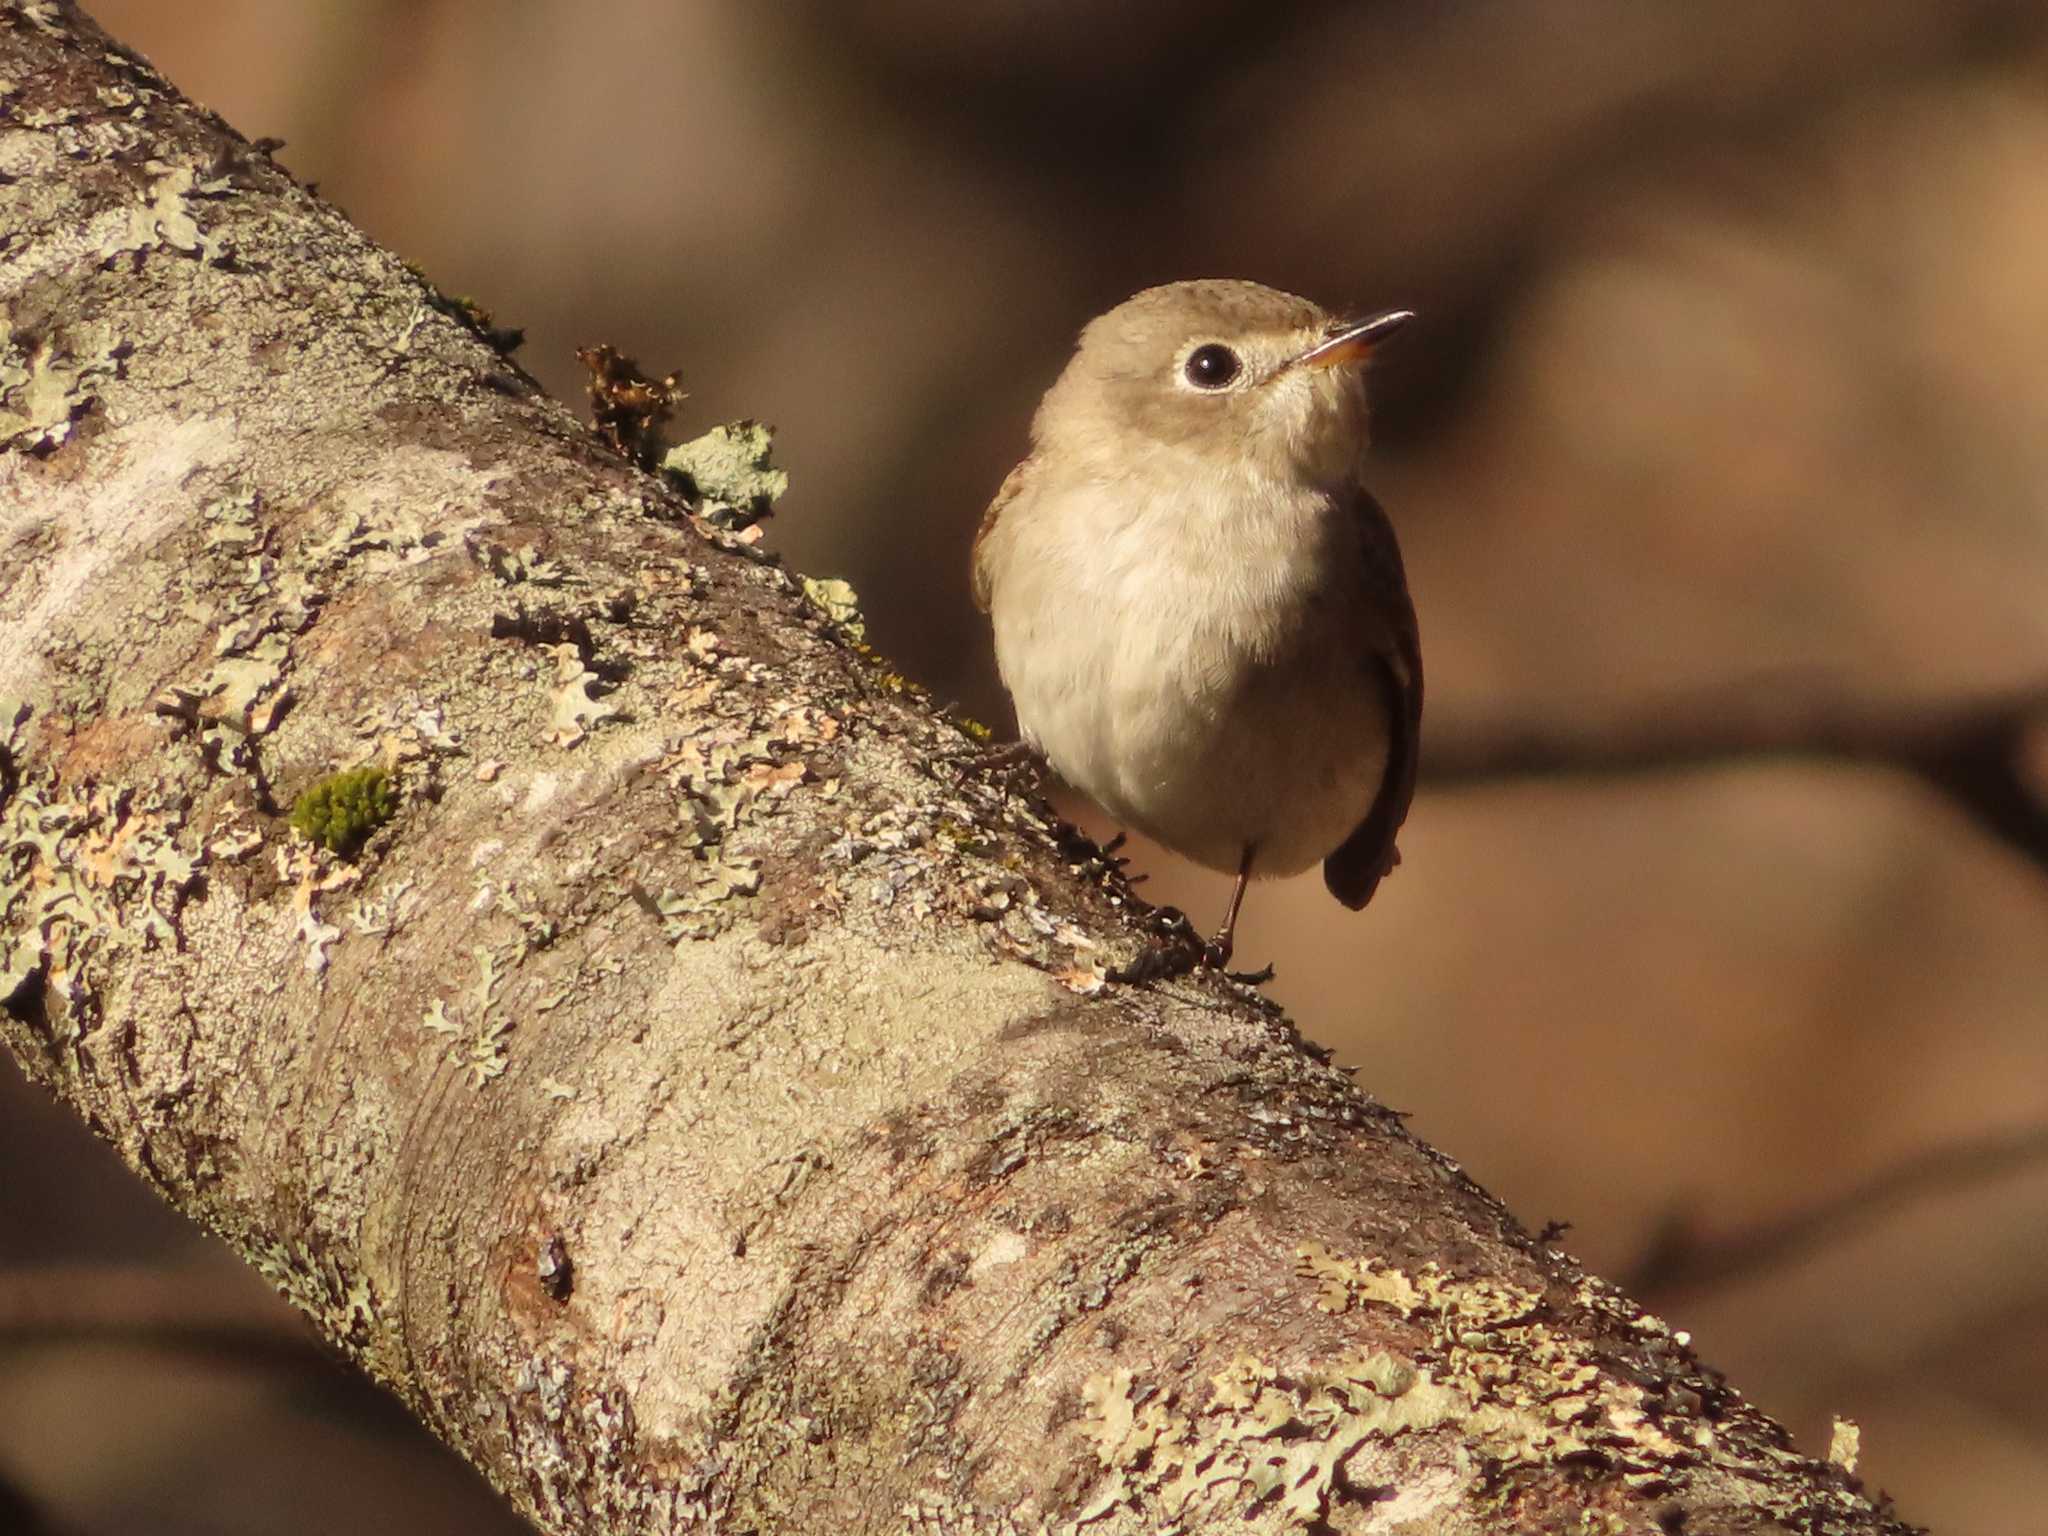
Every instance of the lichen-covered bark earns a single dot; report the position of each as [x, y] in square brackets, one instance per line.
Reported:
[699, 1104]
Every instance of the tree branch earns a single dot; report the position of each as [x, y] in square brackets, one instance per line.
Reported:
[145, 1304]
[1988, 755]
[1683, 1259]
[652, 1097]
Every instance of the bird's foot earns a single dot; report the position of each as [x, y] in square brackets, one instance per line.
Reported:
[1159, 960]
[1120, 862]
[1172, 949]
[1216, 957]
[1168, 956]
[1176, 949]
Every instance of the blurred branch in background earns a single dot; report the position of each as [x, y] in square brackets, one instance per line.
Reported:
[152, 1305]
[1682, 1259]
[1987, 754]
[20, 1516]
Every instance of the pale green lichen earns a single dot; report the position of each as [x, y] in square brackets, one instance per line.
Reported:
[537, 927]
[165, 215]
[300, 866]
[940, 1513]
[1260, 1437]
[1502, 1389]
[699, 911]
[46, 16]
[728, 471]
[884, 676]
[575, 708]
[723, 778]
[47, 381]
[77, 875]
[1845, 1444]
[399, 532]
[343, 1304]
[1343, 1282]
[519, 564]
[1491, 1337]
[839, 603]
[230, 522]
[341, 811]
[476, 1031]
[243, 697]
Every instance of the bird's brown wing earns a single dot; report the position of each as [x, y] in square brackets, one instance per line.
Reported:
[1007, 492]
[1394, 658]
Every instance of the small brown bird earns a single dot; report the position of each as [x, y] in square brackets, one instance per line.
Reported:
[1199, 612]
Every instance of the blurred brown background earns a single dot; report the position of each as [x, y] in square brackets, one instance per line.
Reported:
[1732, 383]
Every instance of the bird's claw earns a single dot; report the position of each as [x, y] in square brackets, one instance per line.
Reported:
[1177, 951]
[1157, 961]
[1216, 957]
[1117, 861]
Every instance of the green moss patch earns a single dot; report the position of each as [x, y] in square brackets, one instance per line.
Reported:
[342, 810]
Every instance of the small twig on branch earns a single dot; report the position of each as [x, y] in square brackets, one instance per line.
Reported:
[21, 1516]
[1988, 755]
[1680, 1259]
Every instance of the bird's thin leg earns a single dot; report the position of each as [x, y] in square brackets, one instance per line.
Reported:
[1218, 952]
[1161, 960]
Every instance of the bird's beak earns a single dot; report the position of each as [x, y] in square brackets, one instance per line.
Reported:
[1352, 341]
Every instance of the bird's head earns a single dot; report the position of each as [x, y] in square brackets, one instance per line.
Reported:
[1233, 373]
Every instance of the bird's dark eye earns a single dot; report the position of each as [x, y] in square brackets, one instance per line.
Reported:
[1211, 366]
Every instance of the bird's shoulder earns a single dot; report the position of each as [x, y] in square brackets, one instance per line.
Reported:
[1013, 486]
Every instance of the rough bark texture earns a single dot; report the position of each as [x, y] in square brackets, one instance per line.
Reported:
[699, 1106]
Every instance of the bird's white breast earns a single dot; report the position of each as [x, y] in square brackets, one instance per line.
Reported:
[1195, 662]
